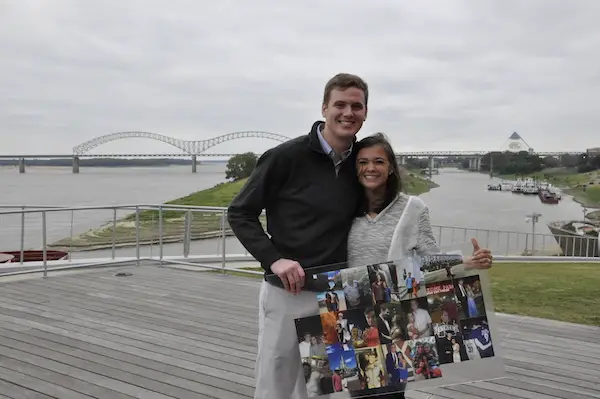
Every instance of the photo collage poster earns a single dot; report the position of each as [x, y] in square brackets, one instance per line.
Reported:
[384, 326]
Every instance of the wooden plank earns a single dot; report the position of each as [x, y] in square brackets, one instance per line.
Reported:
[19, 392]
[541, 389]
[213, 374]
[575, 384]
[34, 384]
[121, 382]
[84, 389]
[187, 340]
[192, 381]
[106, 336]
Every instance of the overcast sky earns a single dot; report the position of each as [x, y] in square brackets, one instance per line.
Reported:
[444, 75]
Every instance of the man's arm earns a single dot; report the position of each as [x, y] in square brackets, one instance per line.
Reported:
[246, 207]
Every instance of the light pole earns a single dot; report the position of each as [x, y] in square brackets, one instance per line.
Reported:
[534, 218]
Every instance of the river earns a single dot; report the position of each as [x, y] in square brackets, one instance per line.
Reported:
[462, 199]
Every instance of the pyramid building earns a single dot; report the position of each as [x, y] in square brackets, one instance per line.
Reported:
[515, 143]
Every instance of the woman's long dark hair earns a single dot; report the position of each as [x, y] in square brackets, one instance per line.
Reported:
[394, 182]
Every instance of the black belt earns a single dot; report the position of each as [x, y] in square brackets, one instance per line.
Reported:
[312, 282]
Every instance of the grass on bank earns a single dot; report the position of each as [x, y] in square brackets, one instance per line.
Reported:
[590, 197]
[202, 224]
[557, 291]
[561, 177]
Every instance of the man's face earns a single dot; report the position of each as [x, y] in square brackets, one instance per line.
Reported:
[345, 113]
[371, 319]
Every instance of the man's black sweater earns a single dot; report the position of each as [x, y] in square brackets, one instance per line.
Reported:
[309, 207]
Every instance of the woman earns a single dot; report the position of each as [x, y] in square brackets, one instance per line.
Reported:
[392, 225]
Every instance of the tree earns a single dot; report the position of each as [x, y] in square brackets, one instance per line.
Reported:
[240, 166]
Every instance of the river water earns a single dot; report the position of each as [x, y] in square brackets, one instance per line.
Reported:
[462, 200]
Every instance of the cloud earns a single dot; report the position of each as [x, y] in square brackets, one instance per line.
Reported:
[443, 75]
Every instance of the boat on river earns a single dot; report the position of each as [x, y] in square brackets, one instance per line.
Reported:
[504, 186]
[576, 238]
[549, 197]
[31, 256]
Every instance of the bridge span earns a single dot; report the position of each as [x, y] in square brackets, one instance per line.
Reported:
[194, 149]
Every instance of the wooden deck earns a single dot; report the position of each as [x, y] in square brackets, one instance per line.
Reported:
[169, 333]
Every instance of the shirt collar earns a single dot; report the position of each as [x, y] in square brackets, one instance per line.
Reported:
[325, 145]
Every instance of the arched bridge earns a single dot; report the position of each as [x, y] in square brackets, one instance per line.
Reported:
[189, 147]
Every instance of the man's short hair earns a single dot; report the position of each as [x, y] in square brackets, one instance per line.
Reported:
[344, 81]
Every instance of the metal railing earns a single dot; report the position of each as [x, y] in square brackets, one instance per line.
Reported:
[200, 236]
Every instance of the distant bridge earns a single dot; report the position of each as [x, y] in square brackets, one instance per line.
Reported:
[195, 149]
[188, 147]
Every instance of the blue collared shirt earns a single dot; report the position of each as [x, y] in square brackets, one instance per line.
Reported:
[337, 159]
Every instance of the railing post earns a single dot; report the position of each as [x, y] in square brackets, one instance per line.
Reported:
[114, 233]
[137, 235]
[71, 232]
[186, 234]
[22, 235]
[160, 234]
[44, 250]
[223, 240]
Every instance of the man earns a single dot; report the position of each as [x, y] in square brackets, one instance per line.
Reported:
[382, 323]
[423, 320]
[310, 192]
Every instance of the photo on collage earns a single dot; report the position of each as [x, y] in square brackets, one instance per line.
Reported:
[344, 368]
[411, 283]
[418, 318]
[311, 340]
[356, 287]
[331, 301]
[424, 358]
[477, 338]
[398, 363]
[313, 354]
[384, 283]
[362, 328]
[372, 374]
[469, 295]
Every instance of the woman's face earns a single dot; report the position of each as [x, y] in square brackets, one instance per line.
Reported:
[373, 167]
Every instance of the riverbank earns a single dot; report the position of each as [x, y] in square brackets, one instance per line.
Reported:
[175, 223]
[583, 187]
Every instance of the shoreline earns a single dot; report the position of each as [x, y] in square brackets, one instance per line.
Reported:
[569, 183]
[203, 225]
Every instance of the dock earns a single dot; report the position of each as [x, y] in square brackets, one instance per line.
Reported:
[162, 332]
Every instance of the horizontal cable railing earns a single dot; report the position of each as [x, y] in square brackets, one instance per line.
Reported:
[200, 235]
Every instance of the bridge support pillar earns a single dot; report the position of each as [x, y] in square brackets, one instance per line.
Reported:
[21, 165]
[75, 164]
[491, 165]
[194, 164]
[478, 168]
[431, 166]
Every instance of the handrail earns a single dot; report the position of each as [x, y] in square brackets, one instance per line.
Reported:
[160, 232]
[106, 207]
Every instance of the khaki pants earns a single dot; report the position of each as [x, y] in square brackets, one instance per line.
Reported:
[279, 372]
